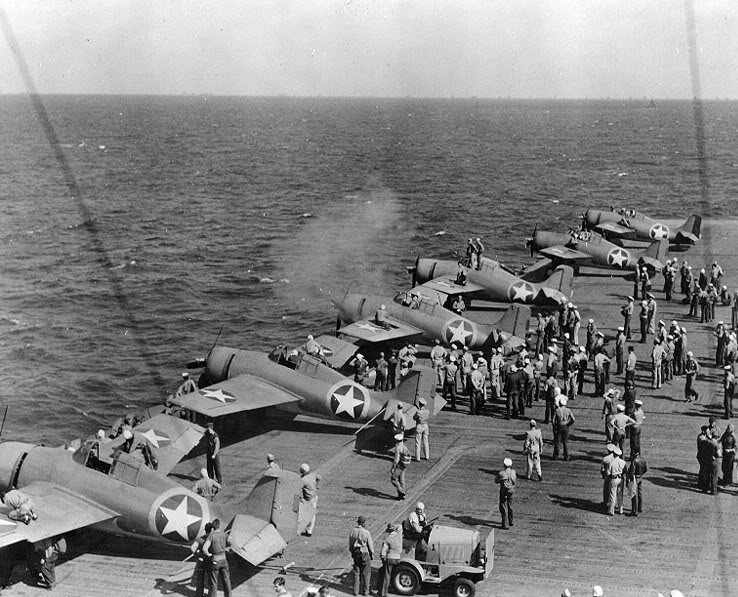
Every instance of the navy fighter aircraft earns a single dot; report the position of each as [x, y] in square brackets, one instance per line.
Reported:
[412, 316]
[584, 247]
[492, 282]
[300, 382]
[104, 485]
[629, 224]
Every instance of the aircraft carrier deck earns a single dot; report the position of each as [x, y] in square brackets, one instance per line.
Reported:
[684, 539]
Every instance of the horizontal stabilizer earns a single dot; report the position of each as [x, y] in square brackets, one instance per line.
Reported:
[255, 540]
[536, 273]
[438, 404]
[690, 231]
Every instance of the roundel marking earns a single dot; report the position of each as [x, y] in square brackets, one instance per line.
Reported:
[179, 515]
[348, 399]
[158, 439]
[659, 231]
[618, 257]
[521, 292]
[460, 331]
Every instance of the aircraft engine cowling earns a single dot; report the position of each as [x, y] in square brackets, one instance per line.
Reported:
[11, 455]
[216, 366]
[425, 270]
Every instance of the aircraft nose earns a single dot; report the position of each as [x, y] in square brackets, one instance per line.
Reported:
[216, 366]
[424, 270]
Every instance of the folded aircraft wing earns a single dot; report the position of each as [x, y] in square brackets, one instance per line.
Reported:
[241, 393]
[449, 286]
[562, 253]
[371, 332]
[337, 352]
[59, 511]
[613, 229]
[171, 439]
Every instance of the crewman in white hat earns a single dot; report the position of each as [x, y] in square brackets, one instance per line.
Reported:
[507, 479]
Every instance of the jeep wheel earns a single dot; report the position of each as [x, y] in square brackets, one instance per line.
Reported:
[405, 580]
[463, 587]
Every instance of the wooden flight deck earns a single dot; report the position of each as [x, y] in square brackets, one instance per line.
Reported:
[561, 539]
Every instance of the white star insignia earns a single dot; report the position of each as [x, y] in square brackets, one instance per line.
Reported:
[659, 231]
[178, 520]
[367, 326]
[347, 402]
[153, 438]
[218, 395]
[617, 257]
[458, 332]
[520, 291]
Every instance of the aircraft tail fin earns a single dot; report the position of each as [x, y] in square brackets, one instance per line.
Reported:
[654, 255]
[561, 279]
[274, 515]
[690, 231]
[515, 320]
[420, 382]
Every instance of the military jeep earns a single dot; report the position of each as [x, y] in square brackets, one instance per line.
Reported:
[454, 557]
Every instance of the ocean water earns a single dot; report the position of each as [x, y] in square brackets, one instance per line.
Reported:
[196, 214]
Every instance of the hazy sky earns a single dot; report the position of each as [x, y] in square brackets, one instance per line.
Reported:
[485, 48]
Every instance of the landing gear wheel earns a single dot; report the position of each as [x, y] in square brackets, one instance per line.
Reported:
[463, 587]
[405, 580]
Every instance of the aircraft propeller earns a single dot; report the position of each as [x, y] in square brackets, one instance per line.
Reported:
[413, 269]
[199, 362]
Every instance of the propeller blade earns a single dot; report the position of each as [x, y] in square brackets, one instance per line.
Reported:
[338, 324]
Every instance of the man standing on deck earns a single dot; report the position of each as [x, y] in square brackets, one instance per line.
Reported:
[213, 453]
[215, 548]
[630, 366]
[691, 369]
[615, 470]
[604, 467]
[532, 448]
[438, 358]
[657, 355]
[619, 424]
[421, 416]
[399, 466]
[449, 383]
[728, 387]
[476, 390]
[563, 418]
[480, 250]
[635, 430]
[380, 381]
[638, 467]
[620, 340]
[627, 313]
[361, 547]
[600, 362]
[390, 554]
[310, 482]
[643, 318]
[507, 479]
